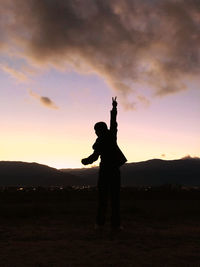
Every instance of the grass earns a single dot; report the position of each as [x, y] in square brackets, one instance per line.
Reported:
[56, 229]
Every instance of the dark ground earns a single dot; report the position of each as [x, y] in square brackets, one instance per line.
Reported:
[57, 229]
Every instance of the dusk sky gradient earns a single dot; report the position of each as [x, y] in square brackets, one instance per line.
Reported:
[62, 61]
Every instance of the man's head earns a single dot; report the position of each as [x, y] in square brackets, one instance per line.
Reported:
[100, 128]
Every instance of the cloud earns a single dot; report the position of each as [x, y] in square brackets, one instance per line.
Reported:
[190, 157]
[19, 75]
[45, 101]
[148, 42]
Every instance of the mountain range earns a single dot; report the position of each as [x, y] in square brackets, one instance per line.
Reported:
[154, 172]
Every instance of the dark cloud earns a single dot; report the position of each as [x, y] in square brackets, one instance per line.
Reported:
[148, 42]
[45, 101]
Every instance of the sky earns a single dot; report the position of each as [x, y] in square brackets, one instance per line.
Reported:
[61, 61]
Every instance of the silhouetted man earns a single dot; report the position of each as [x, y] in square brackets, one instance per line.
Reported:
[109, 172]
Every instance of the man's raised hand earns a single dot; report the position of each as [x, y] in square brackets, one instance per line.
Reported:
[114, 102]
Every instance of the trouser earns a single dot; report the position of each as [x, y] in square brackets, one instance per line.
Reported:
[109, 188]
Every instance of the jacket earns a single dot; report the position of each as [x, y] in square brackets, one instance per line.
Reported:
[106, 146]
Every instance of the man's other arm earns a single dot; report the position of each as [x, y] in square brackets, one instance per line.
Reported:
[93, 157]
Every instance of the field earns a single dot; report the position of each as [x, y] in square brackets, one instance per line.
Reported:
[57, 229]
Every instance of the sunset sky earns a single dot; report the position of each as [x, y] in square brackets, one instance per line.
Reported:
[61, 61]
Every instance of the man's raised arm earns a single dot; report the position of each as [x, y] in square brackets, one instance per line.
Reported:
[113, 118]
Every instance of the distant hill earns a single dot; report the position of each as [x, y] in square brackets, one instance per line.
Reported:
[153, 172]
[15, 173]
[88, 176]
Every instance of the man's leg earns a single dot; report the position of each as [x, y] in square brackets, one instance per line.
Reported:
[115, 198]
[102, 199]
